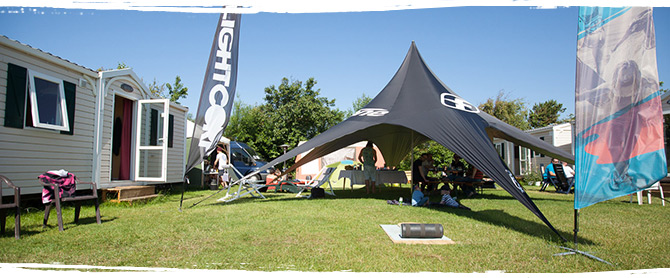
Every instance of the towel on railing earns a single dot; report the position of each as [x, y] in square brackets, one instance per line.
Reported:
[66, 184]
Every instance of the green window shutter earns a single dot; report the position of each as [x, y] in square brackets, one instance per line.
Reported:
[15, 104]
[170, 131]
[153, 134]
[70, 96]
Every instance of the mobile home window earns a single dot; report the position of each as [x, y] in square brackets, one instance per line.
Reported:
[38, 100]
[47, 102]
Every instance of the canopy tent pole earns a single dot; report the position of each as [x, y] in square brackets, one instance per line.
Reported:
[411, 164]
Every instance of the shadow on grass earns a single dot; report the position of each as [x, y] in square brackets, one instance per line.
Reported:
[495, 217]
[68, 223]
[500, 218]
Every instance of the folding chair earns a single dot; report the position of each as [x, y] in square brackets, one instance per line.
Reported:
[13, 205]
[561, 183]
[547, 181]
[246, 187]
[322, 178]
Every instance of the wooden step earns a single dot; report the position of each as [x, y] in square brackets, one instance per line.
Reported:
[129, 193]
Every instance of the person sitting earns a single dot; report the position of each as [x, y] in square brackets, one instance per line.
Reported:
[474, 175]
[456, 169]
[447, 200]
[569, 173]
[418, 199]
[549, 171]
[431, 183]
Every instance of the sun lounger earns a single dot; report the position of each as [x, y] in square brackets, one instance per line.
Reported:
[322, 178]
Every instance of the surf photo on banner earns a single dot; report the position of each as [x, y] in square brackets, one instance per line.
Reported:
[619, 146]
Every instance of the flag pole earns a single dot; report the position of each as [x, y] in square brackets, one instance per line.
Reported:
[575, 251]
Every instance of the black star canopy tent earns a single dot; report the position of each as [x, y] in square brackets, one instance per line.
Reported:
[415, 106]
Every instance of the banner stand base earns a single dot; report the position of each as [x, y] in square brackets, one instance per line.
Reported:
[572, 251]
[575, 251]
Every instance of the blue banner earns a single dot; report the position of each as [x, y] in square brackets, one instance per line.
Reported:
[619, 147]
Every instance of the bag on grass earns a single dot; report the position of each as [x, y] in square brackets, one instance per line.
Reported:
[318, 193]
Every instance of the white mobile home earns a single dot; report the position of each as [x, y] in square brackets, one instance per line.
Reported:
[101, 126]
[523, 160]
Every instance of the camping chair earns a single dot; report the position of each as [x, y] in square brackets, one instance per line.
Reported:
[246, 187]
[13, 205]
[561, 182]
[76, 199]
[655, 186]
[547, 181]
[320, 179]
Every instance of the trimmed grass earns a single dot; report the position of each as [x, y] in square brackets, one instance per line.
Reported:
[342, 234]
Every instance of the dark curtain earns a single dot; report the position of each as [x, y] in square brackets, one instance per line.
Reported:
[126, 136]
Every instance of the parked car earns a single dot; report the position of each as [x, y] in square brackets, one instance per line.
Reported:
[246, 160]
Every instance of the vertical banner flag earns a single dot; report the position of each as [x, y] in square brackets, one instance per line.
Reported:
[218, 90]
[619, 146]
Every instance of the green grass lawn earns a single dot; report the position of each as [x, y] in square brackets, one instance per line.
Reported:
[343, 234]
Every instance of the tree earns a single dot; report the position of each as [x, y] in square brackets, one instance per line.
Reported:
[441, 155]
[545, 113]
[156, 89]
[660, 85]
[513, 112]
[245, 124]
[292, 112]
[176, 90]
[359, 103]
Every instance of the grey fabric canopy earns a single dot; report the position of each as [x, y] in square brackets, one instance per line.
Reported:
[416, 106]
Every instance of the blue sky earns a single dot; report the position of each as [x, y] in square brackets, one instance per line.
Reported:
[477, 51]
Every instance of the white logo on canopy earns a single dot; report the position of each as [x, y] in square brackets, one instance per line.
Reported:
[371, 112]
[453, 101]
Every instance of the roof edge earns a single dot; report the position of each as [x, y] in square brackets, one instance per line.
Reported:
[27, 49]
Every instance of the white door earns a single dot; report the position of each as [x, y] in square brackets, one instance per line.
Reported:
[524, 161]
[151, 140]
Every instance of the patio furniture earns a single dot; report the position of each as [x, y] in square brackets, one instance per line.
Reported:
[322, 178]
[77, 199]
[7, 206]
[550, 180]
[655, 186]
[562, 184]
[246, 187]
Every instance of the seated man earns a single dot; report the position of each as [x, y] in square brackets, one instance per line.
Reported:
[455, 171]
[447, 200]
[474, 175]
[549, 173]
[418, 199]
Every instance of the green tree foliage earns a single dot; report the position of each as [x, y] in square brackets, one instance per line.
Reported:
[660, 85]
[292, 112]
[513, 112]
[156, 88]
[359, 103]
[545, 113]
[176, 90]
[246, 123]
[441, 155]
